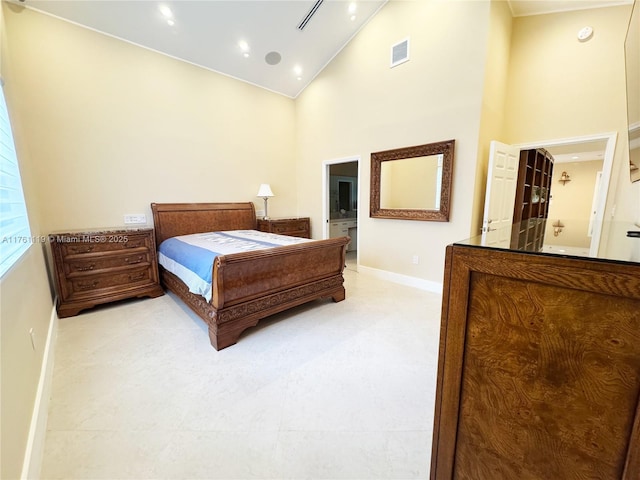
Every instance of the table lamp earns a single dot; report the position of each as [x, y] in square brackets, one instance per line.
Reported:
[265, 192]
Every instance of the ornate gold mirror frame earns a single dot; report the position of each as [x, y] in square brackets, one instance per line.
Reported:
[435, 161]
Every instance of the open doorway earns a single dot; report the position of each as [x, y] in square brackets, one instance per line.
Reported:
[573, 204]
[590, 157]
[589, 148]
[340, 181]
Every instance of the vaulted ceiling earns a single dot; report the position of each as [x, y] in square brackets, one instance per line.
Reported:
[280, 45]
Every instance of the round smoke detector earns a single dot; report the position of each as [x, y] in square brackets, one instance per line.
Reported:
[585, 34]
[273, 58]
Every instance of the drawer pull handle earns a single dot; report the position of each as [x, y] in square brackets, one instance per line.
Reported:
[83, 249]
[138, 276]
[85, 267]
[132, 262]
[88, 285]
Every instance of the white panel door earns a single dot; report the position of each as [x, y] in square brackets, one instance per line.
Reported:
[502, 179]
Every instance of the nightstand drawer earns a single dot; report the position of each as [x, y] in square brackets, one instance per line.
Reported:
[295, 227]
[290, 227]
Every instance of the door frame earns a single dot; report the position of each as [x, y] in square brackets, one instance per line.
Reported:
[607, 166]
[325, 196]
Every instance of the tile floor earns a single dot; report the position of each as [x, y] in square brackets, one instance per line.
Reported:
[325, 391]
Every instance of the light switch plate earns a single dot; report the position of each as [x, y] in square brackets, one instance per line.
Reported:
[135, 218]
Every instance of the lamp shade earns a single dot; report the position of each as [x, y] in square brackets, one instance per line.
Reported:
[265, 191]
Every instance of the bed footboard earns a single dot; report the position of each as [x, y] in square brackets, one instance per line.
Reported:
[232, 321]
[253, 285]
[242, 277]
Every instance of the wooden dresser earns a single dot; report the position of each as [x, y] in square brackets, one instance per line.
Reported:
[295, 227]
[96, 267]
[539, 368]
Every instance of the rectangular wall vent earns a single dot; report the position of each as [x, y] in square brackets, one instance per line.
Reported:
[400, 52]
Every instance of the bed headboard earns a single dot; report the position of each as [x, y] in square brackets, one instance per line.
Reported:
[171, 219]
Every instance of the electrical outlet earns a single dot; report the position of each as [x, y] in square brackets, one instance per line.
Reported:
[415, 260]
[259, 213]
[136, 218]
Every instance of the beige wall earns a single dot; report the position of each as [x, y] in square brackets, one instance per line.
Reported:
[632, 64]
[359, 105]
[493, 101]
[25, 301]
[571, 203]
[114, 127]
[561, 88]
[103, 128]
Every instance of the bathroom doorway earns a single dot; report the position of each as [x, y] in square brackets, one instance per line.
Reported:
[341, 178]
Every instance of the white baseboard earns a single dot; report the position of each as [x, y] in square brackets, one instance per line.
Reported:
[37, 432]
[420, 283]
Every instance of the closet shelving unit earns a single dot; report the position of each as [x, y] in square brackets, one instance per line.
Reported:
[532, 199]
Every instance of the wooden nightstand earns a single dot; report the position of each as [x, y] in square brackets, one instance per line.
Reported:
[98, 267]
[294, 227]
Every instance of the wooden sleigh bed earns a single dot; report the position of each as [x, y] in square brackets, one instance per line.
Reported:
[249, 286]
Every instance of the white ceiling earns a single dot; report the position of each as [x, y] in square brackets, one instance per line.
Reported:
[523, 8]
[208, 32]
[578, 152]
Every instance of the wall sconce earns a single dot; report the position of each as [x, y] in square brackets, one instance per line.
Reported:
[265, 192]
[557, 228]
[564, 178]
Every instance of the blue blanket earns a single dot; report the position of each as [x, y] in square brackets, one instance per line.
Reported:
[191, 257]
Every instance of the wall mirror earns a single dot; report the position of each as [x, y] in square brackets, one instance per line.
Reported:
[412, 183]
[632, 64]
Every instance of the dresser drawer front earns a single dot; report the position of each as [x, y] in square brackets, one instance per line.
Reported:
[102, 266]
[87, 263]
[91, 285]
[79, 245]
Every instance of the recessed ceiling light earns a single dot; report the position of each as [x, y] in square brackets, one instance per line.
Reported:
[171, 22]
[166, 11]
[297, 70]
[244, 47]
[352, 10]
[575, 157]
